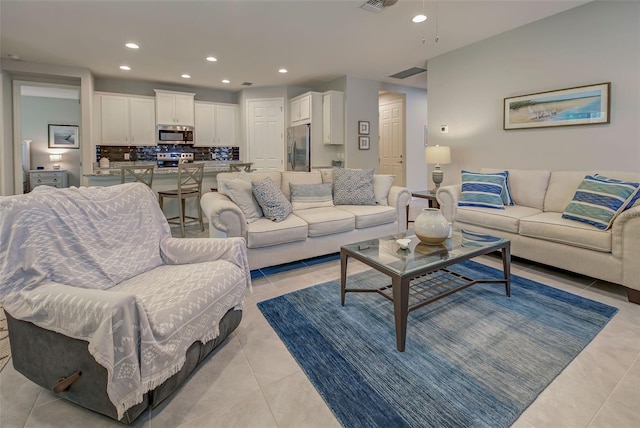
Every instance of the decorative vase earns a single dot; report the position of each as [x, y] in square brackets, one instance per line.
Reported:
[431, 227]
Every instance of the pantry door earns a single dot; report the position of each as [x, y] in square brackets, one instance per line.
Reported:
[265, 134]
[392, 140]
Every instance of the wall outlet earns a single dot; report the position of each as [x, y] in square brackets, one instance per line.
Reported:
[127, 156]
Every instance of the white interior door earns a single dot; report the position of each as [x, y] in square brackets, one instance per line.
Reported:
[392, 141]
[265, 134]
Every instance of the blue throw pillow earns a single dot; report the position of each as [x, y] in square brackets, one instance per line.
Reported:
[482, 190]
[631, 201]
[598, 200]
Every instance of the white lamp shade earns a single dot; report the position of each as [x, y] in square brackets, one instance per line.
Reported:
[55, 158]
[437, 154]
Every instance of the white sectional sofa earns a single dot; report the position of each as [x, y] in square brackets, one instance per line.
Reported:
[538, 232]
[306, 232]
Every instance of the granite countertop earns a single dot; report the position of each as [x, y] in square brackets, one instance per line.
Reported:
[209, 168]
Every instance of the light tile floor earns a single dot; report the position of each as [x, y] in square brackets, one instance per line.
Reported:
[253, 381]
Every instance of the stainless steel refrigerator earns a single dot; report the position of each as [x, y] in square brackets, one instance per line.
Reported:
[299, 148]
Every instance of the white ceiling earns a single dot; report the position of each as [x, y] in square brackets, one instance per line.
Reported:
[317, 41]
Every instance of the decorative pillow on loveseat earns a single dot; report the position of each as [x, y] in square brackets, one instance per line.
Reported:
[305, 196]
[353, 187]
[483, 190]
[599, 199]
[273, 202]
[240, 192]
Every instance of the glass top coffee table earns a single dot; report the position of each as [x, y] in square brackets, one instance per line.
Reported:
[419, 273]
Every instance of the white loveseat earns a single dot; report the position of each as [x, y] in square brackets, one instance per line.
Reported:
[538, 232]
[306, 232]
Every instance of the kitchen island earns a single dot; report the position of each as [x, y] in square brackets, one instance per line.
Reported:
[163, 179]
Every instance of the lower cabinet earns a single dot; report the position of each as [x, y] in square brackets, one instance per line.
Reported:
[54, 178]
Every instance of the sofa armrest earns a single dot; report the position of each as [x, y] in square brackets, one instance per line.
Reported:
[225, 217]
[448, 197]
[399, 198]
[625, 245]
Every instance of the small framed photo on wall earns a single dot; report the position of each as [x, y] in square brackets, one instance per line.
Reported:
[363, 143]
[63, 137]
[363, 127]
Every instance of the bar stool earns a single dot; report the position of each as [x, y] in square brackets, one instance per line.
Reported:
[143, 174]
[189, 186]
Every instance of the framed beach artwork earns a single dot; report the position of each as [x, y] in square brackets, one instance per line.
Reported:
[63, 137]
[582, 105]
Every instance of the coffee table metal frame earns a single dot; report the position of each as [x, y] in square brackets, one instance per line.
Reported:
[401, 278]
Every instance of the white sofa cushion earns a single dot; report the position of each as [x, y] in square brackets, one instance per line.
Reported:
[326, 220]
[507, 220]
[370, 215]
[264, 232]
[298, 177]
[527, 187]
[551, 226]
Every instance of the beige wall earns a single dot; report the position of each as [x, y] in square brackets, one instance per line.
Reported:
[594, 43]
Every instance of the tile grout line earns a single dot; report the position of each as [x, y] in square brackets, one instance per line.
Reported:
[626, 373]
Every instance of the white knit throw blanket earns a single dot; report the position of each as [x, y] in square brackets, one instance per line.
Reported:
[99, 264]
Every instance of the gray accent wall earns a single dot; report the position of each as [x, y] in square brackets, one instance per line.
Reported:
[594, 43]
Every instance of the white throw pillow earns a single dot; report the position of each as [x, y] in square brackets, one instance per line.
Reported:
[240, 192]
[381, 185]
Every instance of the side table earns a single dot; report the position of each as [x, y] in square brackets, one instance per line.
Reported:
[424, 194]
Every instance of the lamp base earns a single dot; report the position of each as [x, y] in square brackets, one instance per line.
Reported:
[437, 176]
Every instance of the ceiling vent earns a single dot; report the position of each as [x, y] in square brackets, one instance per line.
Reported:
[377, 5]
[247, 83]
[408, 72]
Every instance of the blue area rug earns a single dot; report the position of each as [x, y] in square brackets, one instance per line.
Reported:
[473, 359]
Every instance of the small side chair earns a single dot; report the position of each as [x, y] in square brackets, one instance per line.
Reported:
[189, 186]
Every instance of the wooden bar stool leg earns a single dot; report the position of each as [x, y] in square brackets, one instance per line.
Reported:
[182, 216]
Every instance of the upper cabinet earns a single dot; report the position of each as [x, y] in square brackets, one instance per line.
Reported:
[305, 109]
[124, 120]
[216, 124]
[333, 117]
[174, 108]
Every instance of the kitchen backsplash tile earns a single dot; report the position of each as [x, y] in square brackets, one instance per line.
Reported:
[148, 153]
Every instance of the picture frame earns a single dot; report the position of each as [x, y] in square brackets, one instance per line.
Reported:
[580, 105]
[363, 127]
[64, 136]
[363, 143]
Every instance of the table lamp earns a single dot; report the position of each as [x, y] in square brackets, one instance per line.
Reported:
[55, 158]
[437, 155]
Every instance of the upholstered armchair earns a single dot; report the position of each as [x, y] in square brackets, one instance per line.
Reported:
[103, 305]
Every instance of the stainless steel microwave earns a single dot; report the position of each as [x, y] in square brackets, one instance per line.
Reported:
[174, 134]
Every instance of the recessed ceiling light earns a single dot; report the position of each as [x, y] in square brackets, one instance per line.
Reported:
[419, 18]
[212, 58]
[186, 76]
[226, 81]
[132, 45]
[283, 70]
[125, 67]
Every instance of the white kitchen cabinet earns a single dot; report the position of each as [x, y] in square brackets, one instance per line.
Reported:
[216, 124]
[174, 108]
[305, 109]
[125, 121]
[333, 117]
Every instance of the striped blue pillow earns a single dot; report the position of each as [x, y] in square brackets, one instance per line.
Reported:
[631, 201]
[598, 200]
[482, 190]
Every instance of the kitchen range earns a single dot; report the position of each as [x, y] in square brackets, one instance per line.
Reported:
[172, 159]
